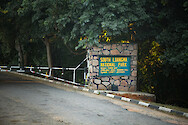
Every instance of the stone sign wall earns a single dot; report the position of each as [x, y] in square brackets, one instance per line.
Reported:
[121, 83]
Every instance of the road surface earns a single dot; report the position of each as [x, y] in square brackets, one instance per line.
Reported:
[25, 101]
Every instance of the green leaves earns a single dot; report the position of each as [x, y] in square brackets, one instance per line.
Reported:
[111, 15]
[80, 18]
[185, 5]
[167, 25]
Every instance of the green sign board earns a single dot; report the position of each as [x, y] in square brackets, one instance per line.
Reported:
[114, 66]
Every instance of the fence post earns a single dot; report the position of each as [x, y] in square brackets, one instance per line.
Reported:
[74, 75]
[50, 72]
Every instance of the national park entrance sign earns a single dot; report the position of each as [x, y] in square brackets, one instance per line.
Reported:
[112, 65]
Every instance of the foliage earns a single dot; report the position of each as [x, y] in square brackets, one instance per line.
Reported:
[92, 17]
[167, 26]
[174, 36]
[7, 44]
[149, 65]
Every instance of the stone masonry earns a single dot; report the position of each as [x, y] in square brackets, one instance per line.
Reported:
[124, 83]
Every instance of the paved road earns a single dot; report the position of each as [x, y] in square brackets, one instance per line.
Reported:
[29, 102]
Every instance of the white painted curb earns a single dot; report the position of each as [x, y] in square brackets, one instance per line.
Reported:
[144, 104]
[165, 109]
[110, 95]
[125, 99]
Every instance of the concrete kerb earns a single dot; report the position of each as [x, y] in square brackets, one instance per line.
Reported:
[98, 92]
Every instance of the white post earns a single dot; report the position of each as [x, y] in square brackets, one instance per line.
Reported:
[74, 75]
[50, 72]
[84, 75]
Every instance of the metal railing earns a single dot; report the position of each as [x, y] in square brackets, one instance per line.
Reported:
[38, 70]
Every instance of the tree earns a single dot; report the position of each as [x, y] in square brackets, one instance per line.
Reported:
[44, 14]
[7, 36]
[167, 26]
[91, 17]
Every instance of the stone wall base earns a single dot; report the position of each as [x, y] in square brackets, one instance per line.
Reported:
[119, 88]
[118, 83]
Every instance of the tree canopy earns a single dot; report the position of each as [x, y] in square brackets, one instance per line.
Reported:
[92, 17]
[163, 50]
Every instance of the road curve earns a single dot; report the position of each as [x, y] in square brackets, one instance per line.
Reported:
[28, 101]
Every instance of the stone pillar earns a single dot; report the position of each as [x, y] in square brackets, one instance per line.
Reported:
[124, 83]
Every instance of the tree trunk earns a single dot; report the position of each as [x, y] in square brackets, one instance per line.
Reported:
[20, 54]
[47, 43]
[25, 59]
